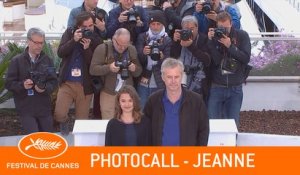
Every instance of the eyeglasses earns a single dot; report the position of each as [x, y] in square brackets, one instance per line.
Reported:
[121, 46]
[36, 42]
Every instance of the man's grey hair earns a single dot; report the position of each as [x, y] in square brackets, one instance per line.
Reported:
[121, 32]
[35, 31]
[189, 19]
[171, 63]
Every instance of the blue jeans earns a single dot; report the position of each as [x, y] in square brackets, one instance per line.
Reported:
[225, 103]
[144, 93]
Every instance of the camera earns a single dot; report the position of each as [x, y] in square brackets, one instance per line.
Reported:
[229, 65]
[131, 15]
[185, 34]
[155, 52]
[190, 69]
[219, 32]
[124, 64]
[86, 33]
[40, 78]
[195, 75]
[206, 7]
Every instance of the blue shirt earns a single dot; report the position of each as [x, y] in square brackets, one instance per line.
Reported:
[76, 62]
[171, 129]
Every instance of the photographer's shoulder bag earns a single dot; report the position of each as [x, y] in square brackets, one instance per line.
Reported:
[98, 81]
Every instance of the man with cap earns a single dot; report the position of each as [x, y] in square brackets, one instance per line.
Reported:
[153, 47]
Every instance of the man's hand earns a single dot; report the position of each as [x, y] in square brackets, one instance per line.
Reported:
[28, 84]
[198, 7]
[139, 22]
[38, 89]
[146, 50]
[100, 24]
[176, 36]
[166, 5]
[226, 41]
[77, 35]
[123, 16]
[212, 15]
[85, 42]
[132, 67]
[144, 80]
[113, 68]
[211, 33]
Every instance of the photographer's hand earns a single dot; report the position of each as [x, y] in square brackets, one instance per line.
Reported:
[123, 17]
[211, 33]
[28, 84]
[198, 7]
[212, 15]
[100, 25]
[132, 67]
[166, 5]
[146, 50]
[144, 80]
[86, 43]
[226, 41]
[38, 89]
[176, 36]
[113, 68]
[139, 23]
[77, 35]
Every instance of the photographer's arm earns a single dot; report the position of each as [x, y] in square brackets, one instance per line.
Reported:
[134, 59]
[98, 65]
[243, 52]
[66, 44]
[112, 23]
[13, 82]
[142, 56]
[199, 51]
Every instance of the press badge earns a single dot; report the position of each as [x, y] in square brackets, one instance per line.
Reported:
[76, 72]
[30, 92]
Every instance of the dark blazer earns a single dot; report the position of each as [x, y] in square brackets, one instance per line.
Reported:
[115, 133]
[194, 123]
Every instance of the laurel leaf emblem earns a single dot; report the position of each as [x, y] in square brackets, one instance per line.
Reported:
[43, 145]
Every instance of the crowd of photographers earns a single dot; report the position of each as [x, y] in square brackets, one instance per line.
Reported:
[101, 52]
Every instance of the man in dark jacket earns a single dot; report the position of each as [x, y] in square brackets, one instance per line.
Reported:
[178, 115]
[128, 16]
[90, 6]
[75, 83]
[191, 48]
[230, 50]
[174, 11]
[31, 78]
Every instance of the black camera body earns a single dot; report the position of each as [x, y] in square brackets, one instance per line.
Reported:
[155, 52]
[86, 33]
[185, 34]
[132, 15]
[219, 32]
[123, 65]
[206, 7]
[40, 78]
[189, 69]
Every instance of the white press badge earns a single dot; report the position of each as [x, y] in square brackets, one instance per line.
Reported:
[76, 72]
[119, 83]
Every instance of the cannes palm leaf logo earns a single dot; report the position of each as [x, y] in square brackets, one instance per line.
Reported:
[42, 145]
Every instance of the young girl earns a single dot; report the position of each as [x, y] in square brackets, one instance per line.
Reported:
[128, 127]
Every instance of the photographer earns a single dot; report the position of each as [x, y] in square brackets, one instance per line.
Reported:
[99, 14]
[174, 11]
[230, 50]
[190, 47]
[128, 16]
[206, 13]
[31, 78]
[76, 50]
[117, 62]
[153, 47]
